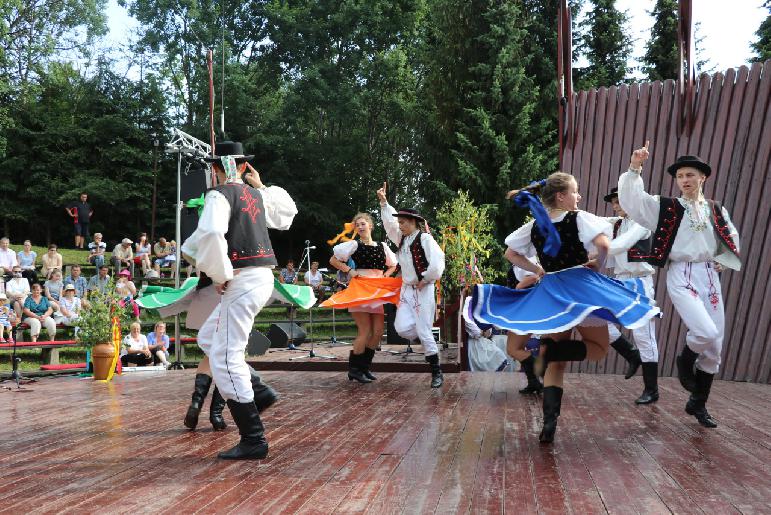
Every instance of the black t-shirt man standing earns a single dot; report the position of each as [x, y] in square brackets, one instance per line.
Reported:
[81, 214]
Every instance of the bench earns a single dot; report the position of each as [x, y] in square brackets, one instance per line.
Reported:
[49, 348]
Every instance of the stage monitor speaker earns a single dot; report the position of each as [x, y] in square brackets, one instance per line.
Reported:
[193, 186]
[284, 333]
[258, 344]
[392, 337]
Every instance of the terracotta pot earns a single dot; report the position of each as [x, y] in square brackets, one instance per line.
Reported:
[102, 355]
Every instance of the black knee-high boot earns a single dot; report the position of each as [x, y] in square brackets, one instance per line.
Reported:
[369, 355]
[562, 350]
[355, 364]
[630, 353]
[200, 390]
[437, 379]
[697, 404]
[253, 445]
[552, 402]
[650, 380]
[215, 410]
[264, 395]
[533, 384]
[686, 362]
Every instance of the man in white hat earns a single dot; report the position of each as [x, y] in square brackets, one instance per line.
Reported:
[123, 257]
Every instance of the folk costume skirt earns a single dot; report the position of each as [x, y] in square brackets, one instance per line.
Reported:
[561, 301]
[366, 294]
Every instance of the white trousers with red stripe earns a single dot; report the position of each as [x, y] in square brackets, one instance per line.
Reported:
[224, 335]
[645, 336]
[694, 289]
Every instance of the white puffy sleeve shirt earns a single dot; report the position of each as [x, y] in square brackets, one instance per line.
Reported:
[589, 227]
[207, 245]
[433, 252]
[343, 252]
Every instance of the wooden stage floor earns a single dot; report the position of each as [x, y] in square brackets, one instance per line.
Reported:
[393, 446]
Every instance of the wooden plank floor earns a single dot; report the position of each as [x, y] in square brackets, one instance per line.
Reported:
[394, 446]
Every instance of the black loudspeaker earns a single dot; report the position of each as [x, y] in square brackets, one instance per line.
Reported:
[284, 333]
[258, 344]
[392, 337]
[193, 186]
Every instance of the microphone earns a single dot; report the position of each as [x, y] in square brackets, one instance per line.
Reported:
[312, 247]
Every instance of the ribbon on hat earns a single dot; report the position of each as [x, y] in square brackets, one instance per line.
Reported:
[231, 170]
[542, 221]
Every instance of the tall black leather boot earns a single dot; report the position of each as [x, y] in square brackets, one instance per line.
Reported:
[264, 395]
[355, 363]
[366, 362]
[563, 350]
[686, 362]
[650, 375]
[533, 383]
[552, 402]
[437, 379]
[630, 353]
[253, 445]
[200, 390]
[215, 410]
[697, 404]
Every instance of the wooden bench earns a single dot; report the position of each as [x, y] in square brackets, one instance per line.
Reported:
[49, 348]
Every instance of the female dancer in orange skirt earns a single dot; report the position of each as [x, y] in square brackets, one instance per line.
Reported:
[369, 289]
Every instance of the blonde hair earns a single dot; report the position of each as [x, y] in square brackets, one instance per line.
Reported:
[137, 325]
[558, 182]
[365, 216]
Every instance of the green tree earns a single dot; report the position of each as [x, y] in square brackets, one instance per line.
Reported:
[662, 55]
[762, 46]
[605, 44]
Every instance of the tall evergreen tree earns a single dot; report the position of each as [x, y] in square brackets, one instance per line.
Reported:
[662, 56]
[606, 44]
[762, 46]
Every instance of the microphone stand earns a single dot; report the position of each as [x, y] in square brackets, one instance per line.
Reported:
[311, 353]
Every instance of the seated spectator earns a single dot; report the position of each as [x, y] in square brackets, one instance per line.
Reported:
[135, 348]
[52, 289]
[288, 275]
[158, 341]
[52, 260]
[100, 280]
[37, 313]
[341, 280]
[7, 318]
[165, 256]
[123, 257]
[7, 257]
[142, 253]
[127, 290]
[27, 258]
[17, 289]
[315, 280]
[97, 249]
[69, 307]
[78, 281]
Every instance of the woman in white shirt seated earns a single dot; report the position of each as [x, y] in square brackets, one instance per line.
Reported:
[315, 280]
[136, 350]
[69, 306]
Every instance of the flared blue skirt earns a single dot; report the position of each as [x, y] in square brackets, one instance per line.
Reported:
[561, 301]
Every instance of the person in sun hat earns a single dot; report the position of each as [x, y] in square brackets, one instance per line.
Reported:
[232, 247]
[695, 238]
[422, 264]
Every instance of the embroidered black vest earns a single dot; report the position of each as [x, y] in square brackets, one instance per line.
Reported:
[642, 247]
[370, 257]
[419, 260]
[671, 213]
[572, 251]
[247, 236]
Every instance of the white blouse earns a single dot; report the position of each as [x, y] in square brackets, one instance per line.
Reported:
[628, 235]
[695, 240]
[589, 227]
[344, 251]
[207, 246]
[433, 252]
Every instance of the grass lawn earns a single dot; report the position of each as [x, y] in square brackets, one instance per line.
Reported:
[69, 256]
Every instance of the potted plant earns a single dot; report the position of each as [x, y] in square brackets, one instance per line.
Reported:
[95, 326]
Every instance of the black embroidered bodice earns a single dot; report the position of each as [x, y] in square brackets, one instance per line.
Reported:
[418, 254]
[572, 251]
[370, 257]
[247, 236]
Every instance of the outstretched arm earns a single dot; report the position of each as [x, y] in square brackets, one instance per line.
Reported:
[639, 205]
[387, 214]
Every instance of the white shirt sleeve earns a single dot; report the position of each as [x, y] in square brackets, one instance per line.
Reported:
[627, 240]
[390, 256]
[280, 209]
[344, 251]
[639, 205]
[435, 258]
[519, 241]
[390, 223]
[734, 232]
[590, 226]
[207, 245]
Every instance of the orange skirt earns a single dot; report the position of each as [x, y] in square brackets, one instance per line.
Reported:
[366, 291]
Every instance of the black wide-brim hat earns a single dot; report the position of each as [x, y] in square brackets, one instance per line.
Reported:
[610, 196]
[229, 148]
[409, 213]
[691, 161]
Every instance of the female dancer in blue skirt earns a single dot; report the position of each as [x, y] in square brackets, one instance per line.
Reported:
[570, 293]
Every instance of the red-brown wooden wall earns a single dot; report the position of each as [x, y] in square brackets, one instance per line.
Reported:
[732, 131]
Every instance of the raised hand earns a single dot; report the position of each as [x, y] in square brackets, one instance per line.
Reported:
[381, 194]
[639, 156]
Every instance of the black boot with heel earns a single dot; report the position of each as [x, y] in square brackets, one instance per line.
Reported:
[552, 403]
[628, 351]
[215, 410]
[200, 391]
[533, 383]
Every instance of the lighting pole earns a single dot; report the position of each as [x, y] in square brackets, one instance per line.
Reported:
[155, 185]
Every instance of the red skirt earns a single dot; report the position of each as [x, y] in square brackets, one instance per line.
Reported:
[366, 291]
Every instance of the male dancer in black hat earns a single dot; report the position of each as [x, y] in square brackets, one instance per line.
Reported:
[231, 246]
[696, 238]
